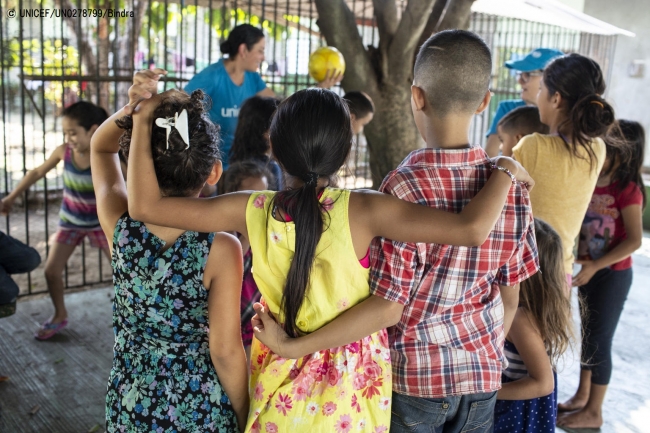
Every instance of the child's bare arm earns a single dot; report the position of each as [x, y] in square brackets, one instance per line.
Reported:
[528, 341]
[633, 221]
[375, 214]
[510, 298]
[109, 185]
[32, 176]
[365, 318]
[226, 347]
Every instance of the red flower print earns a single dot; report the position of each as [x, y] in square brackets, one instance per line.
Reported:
[372, 388]
[333, 375]
[381, 429]
[256, 427]
[353, 347]
[372, 370]
[344, 424]
[383, 338]
[384, 403]
[259, 391]
[271, 427]
[329, 408]
[259, 201]
[359, 381]
[355, 404]
[317, 369]
[284, 404]
[300, 393]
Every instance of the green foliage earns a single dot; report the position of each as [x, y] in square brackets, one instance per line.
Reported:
[53, 58]
[221, 19]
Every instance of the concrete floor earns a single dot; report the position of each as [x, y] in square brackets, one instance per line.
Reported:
[60, 385]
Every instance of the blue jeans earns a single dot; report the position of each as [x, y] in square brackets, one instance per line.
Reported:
[15, 258]
[472, 413]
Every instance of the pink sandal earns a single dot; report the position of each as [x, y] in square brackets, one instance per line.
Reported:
[50, 328]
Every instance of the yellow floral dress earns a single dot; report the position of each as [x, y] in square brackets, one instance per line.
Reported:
[341, 390]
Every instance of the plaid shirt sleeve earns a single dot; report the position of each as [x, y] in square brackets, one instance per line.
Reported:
[393, 265]
[524, 262]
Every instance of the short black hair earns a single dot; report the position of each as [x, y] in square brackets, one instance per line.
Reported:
[86, 114]
[453, 68]
[523, 120]
[359, 104]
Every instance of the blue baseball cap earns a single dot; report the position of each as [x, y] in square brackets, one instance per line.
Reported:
[535, 60]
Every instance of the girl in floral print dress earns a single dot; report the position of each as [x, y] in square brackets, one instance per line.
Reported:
[310, 260]
[170, 374]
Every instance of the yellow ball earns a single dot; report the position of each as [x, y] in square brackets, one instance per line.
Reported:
[323, 59]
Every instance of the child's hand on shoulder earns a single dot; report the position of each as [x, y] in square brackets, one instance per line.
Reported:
[145, 86]
[516, 169]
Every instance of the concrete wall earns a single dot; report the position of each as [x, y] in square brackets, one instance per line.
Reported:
[630, 95]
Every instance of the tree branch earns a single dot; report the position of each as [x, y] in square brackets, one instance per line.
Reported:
[432, 22]
[456, 15]
[85, 49]
[386, 15]
[337, 23]
[408, 33]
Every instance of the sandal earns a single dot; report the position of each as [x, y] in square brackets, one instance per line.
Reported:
[50, 329]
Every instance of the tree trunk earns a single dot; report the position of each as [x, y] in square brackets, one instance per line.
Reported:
[127, 46]
[392, 133]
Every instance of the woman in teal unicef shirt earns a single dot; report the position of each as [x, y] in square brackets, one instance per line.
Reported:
[231, 81]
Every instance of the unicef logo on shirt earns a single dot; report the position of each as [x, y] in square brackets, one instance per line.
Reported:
[230, 112]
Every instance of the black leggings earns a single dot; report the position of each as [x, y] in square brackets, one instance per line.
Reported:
[603, 298]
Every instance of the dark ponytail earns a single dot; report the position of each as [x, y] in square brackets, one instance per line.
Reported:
[579, 80]
[311, 136]
[242, 34]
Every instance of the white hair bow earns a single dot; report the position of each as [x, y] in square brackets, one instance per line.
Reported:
[179, 122]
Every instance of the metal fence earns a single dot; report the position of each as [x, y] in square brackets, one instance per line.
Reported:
[48, 63]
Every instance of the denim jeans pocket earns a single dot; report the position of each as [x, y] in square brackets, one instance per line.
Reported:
[481, 414]
[411, 413]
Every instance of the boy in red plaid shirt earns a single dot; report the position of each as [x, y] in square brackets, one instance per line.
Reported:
[441, 302]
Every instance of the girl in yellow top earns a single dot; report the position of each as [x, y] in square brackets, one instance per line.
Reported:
[308, 242]
[566, 162]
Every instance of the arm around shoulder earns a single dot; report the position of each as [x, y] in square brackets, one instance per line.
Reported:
[365, 318]
[387, 216]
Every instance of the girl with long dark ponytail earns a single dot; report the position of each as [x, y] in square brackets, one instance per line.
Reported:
[566, 162]
[310, 248]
